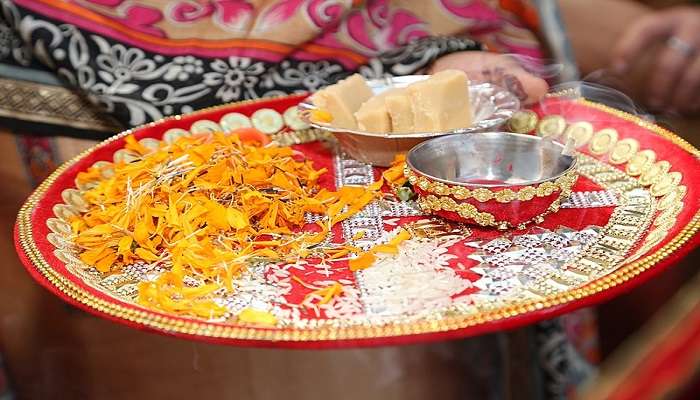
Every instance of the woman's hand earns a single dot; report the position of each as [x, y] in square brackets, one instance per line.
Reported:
[502, 70]
[674, 79]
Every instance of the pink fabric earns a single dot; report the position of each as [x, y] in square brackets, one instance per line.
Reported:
[363, 27]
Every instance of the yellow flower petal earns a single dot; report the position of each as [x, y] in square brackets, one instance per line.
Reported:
[124, 244]
[258, 317]
[236, 219]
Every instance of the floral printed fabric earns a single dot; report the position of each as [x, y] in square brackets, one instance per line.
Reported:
[271, 29]
[141, 61]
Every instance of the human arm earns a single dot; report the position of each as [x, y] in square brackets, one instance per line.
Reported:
[626, 43]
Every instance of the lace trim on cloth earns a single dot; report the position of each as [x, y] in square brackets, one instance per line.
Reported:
[46, 104]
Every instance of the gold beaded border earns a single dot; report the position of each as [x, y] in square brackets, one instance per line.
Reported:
[482, 195]
[659, 130]
[469, 211]
[450, 323]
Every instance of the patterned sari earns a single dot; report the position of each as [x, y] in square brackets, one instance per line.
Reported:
[142, 60]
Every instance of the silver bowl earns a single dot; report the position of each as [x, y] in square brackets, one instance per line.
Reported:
[492, 106]
[497, 179]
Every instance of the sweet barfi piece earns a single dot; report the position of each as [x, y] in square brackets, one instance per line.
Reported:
[373, 115]
[398, 104]
[441, 102]
[342, 100]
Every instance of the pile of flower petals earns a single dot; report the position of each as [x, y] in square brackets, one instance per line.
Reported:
[206, 207]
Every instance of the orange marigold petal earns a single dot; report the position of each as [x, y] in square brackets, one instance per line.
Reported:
[363, 261]
[105, 263]
[145, 255]
[141, 233]
[386, 248]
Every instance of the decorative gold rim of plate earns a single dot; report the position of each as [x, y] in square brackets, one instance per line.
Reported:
[184, 326]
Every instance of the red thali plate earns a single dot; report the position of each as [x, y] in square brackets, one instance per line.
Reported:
[634, 212]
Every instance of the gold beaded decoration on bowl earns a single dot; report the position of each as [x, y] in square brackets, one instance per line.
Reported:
[431, 203]
[544, 189]
[465, 210]
[439, 200]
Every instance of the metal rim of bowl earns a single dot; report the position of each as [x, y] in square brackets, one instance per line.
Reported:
[572, 167]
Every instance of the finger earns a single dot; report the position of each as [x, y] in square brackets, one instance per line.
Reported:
[687, 96]
[527, 87]
[507, 71]
[669, 69]
[497, 69]
[639, 36]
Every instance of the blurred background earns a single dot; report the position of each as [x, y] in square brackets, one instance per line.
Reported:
[49, 350]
